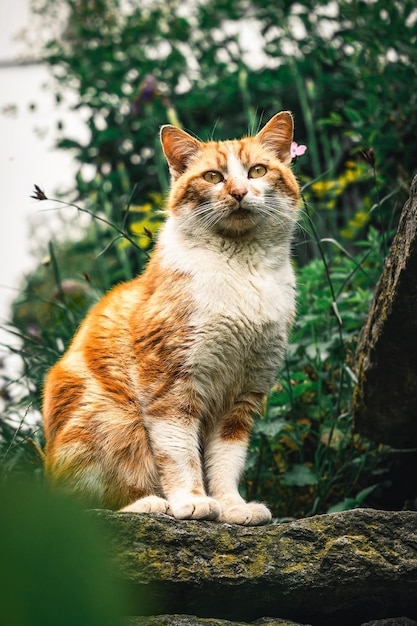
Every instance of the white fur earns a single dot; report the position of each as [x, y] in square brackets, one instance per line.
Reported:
[224, 461]
[235, 167]
[224, 464]
[148, 504]
[244, 302]
[181, 441]
[239, 279]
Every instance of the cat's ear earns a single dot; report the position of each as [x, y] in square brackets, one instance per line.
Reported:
[277, 135]
[179, 147]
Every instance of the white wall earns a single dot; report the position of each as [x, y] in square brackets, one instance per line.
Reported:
[27, 153]
[27, 156]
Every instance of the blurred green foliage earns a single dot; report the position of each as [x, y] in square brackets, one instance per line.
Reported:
[347, 71]
[54, 567]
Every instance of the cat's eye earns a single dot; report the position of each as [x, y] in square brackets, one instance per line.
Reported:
[257, 171]
[213, 177]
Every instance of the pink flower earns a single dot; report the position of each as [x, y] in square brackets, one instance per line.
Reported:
[297, 150]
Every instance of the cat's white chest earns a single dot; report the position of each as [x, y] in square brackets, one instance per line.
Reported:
[242, 305]
[241, 319]
[241, 289]
[236, 282]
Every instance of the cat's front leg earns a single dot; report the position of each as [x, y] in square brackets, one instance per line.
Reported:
[176, 446]
[224, 458]
[225, 463]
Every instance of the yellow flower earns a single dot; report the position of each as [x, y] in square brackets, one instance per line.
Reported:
[147, 219]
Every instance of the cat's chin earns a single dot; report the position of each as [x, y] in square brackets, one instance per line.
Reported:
[236, 233]
[241, 213]
[239, 224]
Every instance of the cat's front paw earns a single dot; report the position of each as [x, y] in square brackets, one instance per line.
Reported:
[246, 514]
[148, 504]
[195, 507]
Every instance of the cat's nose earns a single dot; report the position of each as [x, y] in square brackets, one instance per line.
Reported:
[238, 193]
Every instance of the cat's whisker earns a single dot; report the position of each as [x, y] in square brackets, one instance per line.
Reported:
[205, 216]
[277, 214]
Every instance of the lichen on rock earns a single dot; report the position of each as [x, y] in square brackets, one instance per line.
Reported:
[343, 568]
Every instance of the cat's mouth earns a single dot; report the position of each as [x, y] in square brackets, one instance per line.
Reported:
[241, 213]
[238, 223]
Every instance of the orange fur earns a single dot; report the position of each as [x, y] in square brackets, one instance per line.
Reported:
[151, 407]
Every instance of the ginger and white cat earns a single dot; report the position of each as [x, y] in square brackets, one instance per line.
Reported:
[151, 407]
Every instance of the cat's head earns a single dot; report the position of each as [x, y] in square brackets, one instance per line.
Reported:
[236, 189]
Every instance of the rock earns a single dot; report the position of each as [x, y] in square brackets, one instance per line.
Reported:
[385, 399]
[392, 621]
[343, 568]
[192, 620]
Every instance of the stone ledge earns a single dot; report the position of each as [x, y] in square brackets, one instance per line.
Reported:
[345, 568]
[192, 620]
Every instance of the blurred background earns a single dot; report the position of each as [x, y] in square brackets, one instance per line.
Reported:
[85, 89]
[28, 121]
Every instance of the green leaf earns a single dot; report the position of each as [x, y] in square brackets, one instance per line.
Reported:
[352, 115]
[277, 410]
[352, 503]
[344, 505]
[299, 476]
[270, 429]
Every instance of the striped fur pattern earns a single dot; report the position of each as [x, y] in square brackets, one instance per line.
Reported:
[151, 407]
